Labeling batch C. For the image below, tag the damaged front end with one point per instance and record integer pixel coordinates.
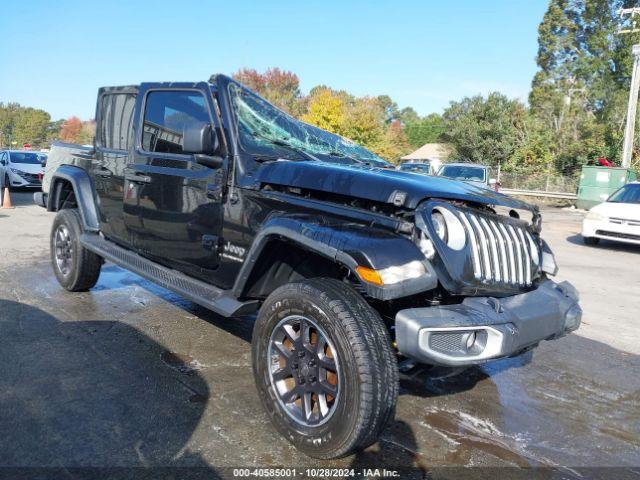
(498, 267)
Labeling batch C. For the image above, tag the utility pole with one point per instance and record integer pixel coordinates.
(633, 91)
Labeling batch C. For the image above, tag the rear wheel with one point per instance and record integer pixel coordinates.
(324, 367)
(76, 268)
(591, 240)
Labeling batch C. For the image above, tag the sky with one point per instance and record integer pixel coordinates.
(55, 55)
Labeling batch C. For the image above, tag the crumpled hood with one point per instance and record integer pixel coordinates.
(373, 183)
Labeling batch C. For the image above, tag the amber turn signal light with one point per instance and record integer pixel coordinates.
(369, 275)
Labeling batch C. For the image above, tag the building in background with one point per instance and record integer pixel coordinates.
(432, 154)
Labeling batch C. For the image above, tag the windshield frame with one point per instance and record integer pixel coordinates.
(371, 160)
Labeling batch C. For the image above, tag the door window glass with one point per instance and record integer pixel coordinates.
(165, 117)
(117, 118)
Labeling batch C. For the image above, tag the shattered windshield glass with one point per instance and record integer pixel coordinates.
(269, 133)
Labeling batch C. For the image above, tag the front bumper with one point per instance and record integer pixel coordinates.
(619, 230)
(485, 328)
(27, 180)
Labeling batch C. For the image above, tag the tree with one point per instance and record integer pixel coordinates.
(423, 130)
(393, 144)
(485, 130)
(326, 110)
(583, 78)
(31, 127)
(280, 87)
(87, 132)
(21, 125)
(70, 130)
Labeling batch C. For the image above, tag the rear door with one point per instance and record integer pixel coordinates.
(173, 204)
(114, 135)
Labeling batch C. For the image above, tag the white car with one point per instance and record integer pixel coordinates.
(616, 219)
(21, 168)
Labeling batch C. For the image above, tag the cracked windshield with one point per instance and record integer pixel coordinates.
(270, 134)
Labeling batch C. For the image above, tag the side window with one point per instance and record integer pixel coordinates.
(116, 122)
(166, 114)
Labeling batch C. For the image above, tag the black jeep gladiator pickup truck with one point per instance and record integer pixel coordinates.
(212, 192)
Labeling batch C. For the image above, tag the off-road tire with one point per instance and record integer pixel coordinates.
(84, 265)
(368, 376)
(591, 240)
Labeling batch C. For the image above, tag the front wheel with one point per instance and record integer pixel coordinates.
(76, 268)
(324, 367)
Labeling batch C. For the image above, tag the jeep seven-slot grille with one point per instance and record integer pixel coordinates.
(501, 252)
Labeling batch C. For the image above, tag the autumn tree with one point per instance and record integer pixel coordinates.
(70, 130)
(280, 87)
(327, 110)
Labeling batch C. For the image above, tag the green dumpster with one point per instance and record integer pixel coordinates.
(597, 183)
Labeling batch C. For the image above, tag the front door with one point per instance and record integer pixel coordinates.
(173, 205)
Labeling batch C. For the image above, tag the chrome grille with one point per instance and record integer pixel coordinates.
(501, 253)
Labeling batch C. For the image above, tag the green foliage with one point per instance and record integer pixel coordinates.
(20, 125)
(485, 130)
(423, 130)
(581, 88)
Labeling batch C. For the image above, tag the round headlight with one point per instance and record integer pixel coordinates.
(440, 225)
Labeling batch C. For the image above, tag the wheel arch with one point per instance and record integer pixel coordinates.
(71, 187)
(335, 248)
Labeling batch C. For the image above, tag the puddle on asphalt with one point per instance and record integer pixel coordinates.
(182, 363)
(466, 434)
(113, 277)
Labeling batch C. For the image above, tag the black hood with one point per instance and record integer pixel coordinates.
(378, 184)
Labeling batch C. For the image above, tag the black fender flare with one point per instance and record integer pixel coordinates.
(345, 243)
(83, 190)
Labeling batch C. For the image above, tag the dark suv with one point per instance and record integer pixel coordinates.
(212, 192)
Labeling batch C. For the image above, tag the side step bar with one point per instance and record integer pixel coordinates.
(220, 301)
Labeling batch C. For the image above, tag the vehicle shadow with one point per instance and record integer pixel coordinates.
(609, 245)
(93, 394)
(427, 382)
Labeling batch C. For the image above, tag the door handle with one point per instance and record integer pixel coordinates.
(137, 178)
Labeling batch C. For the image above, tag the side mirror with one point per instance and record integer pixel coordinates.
(199, 138)
(492, 181)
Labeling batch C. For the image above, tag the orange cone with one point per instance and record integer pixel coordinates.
(6, 201)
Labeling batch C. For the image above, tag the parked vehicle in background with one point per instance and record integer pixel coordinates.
(469, 172)
(21, 168)
(424, 168)
(212, 192)
(617, 219)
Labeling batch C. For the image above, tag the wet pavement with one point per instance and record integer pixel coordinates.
(130, 374)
